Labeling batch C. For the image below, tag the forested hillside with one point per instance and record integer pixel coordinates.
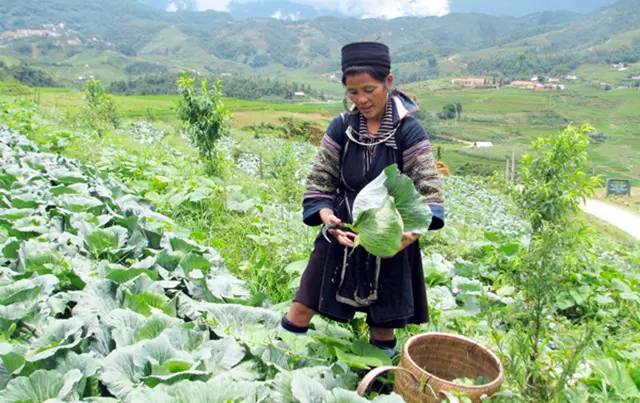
(124, 35)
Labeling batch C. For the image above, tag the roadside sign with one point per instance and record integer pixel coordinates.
(618, 187)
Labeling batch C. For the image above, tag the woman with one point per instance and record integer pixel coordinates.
(376, 132)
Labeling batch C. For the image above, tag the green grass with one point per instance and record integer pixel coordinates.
(617, 41)
(511, 119)
(318, 81)
(164, 105)
(603, 228)
(461, 162)
(596, 73)
(631, 203)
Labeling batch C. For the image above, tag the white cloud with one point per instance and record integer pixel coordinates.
(287, 17)
(399, 8)
(355, 8)
(382, 8)
(218, 5)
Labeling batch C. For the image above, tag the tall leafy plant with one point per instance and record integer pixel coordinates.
(554, 180)
(100, 112)
(204, 116)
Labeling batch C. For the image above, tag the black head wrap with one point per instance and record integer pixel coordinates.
(371, 54)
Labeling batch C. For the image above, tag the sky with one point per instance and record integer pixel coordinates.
(295, 9)
(358, 8)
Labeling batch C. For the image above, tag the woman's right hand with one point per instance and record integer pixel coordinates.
(345, 238)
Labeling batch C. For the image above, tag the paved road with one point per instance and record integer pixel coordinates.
(626, 220)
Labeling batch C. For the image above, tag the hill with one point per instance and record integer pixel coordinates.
(520, 8)
(111, 36)
(300, 11)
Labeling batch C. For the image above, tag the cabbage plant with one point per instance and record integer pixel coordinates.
(384, 209)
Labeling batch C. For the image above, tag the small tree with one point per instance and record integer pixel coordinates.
(448, 112)
(100, 112)
(458, 109)
(203, 115)
(554, 180)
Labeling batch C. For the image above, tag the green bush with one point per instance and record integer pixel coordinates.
(100, 112)
(204, 116)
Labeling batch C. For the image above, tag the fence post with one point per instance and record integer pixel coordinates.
(506, 170)
(513, 166)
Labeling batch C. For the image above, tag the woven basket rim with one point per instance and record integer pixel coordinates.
(418, 337)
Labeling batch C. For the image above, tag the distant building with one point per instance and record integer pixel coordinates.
(553, 86)
(471, 81)
(535, 85)
(24, 33)
(522, 84)
(571, 78)
(553, 80)
(226, 75)
(298, 94)
(636, 78)
(482, 144)
(534, 78)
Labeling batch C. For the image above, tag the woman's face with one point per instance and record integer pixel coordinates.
(369, 94)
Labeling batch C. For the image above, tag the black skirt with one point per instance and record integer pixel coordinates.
(316, 285)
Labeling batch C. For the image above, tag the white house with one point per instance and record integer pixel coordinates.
(571, 78)
(636, 78)
(298, 94)
(482, 144)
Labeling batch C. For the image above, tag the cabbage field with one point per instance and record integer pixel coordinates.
(131, 274)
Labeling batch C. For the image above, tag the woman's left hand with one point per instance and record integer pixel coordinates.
(407, 239)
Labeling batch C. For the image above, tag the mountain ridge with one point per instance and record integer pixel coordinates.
(119, 33)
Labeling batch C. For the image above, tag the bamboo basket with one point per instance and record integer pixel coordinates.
(430, 361)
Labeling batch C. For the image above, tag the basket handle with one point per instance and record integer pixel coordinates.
(442, 395)
(376, 372)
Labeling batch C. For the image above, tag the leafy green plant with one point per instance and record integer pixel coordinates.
(145, 314)
(556, 181)
(66, 258)
(204, 116)
(451, 111)
(100, 111)
(553, 180)
(18, 113)
(384, 209)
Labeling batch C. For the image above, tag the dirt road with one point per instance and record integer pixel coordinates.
(458, 139)
(626, 220)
